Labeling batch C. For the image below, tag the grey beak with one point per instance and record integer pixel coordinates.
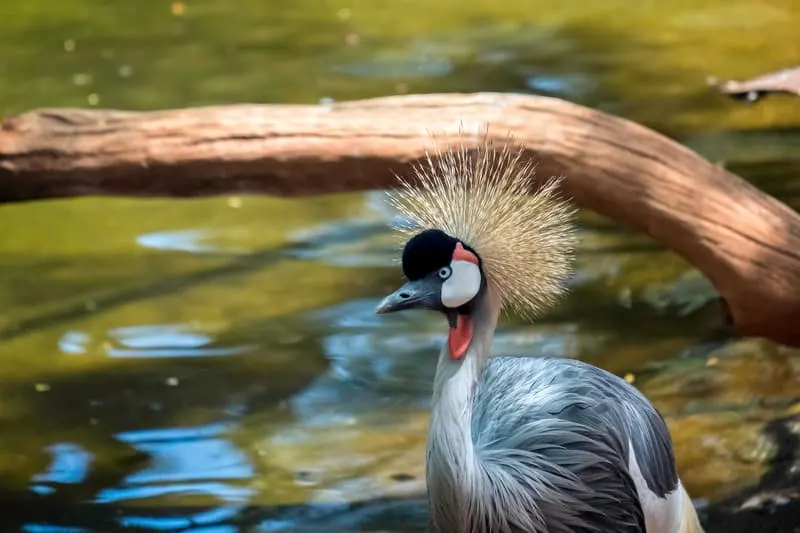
(420, 294)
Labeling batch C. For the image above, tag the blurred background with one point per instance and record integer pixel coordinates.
(215, 365)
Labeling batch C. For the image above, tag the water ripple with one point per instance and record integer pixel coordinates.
(398, 68)
(375, 360)
(152, 341)
(183, 241)
(184, 461)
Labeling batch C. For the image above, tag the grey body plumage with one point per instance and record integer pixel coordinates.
(583, 395)
(517, 444)
(540, 445)
(564, 432)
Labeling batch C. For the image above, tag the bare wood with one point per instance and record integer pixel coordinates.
(746, 242)
(785, 81)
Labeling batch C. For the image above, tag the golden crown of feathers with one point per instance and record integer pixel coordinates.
(483, 196)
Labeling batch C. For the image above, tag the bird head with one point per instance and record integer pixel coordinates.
(443, 275)
(478, 222)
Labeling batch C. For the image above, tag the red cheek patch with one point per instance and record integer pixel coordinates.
(462, 254)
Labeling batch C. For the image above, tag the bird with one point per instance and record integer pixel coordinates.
(520, 444)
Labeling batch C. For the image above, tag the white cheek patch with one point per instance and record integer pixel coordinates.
(462, 285)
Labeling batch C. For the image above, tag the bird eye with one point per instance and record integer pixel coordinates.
(444, 272)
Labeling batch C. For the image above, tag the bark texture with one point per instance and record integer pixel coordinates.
(746, 242)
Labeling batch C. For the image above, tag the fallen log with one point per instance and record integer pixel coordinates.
(746, 242)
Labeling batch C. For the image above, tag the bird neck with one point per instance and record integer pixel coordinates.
(453, 465)
(456, 376)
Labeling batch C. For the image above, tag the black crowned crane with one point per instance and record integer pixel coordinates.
(521, 444)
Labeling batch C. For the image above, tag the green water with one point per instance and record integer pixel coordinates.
(219, 360)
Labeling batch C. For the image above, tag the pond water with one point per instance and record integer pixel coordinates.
(215, 364)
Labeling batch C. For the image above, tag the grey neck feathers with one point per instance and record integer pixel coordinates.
(453, 467)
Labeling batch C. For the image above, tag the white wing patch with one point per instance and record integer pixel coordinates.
(462, 285)
(661, 515)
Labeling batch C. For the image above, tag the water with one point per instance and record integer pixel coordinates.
(215, 365)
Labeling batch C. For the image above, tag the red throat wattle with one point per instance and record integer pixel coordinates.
(459, 338)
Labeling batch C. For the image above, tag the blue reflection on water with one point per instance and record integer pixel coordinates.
(213, 529)
(49, 528)
(224, 491)
(184, 461)
(69, 465)
(210, 519)
(551, 84)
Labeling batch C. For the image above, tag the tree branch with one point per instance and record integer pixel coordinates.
(786, 81)
(746, 242)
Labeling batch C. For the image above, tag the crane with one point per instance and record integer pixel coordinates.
(520, 444)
